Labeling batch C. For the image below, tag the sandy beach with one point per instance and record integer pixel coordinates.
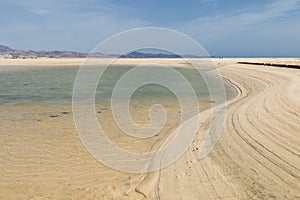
(257, 156)
(64, 62)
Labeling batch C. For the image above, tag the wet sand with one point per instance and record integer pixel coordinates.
(64, 62)
(257, 157)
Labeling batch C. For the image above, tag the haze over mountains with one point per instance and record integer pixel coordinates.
(7, 52)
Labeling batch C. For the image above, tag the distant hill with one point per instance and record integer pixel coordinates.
(9, 52)
(4, 49)
(136, 54)
(51, 54)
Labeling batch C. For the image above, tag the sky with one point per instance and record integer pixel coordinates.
(223, 28)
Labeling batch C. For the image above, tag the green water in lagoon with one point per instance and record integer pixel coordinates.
(55, 85)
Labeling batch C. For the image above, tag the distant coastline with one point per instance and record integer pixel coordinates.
(8, 52)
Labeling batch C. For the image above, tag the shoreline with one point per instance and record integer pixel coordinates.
(256, 157)
(250, 152)
(50, 62)
(271, 64)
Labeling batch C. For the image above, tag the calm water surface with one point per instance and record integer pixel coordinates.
(55, 85)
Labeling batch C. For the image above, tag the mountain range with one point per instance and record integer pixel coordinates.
(9, 52)
(6, 51)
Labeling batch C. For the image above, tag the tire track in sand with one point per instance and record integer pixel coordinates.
(257, 156)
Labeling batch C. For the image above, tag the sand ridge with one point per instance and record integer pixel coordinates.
(258, 155)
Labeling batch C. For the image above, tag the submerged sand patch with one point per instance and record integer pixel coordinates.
(257, 157)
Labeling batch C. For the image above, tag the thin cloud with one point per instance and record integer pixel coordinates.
(278, 8)
(80, 25)
(269, 31)
(70, 27)
(41, 12)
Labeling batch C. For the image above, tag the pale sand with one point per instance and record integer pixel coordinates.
(257, 157)
(42, 62)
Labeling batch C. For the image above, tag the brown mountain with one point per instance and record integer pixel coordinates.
(5, 50)
(9, 52)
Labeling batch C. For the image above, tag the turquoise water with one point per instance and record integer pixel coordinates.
(55, 85)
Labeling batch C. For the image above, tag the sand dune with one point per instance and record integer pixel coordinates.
(257, 157)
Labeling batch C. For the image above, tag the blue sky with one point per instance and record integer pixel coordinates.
(223, 28)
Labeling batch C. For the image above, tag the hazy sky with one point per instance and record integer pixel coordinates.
(223, 28)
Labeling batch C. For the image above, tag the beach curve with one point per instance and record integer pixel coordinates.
(257, 157)
(258, 153)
